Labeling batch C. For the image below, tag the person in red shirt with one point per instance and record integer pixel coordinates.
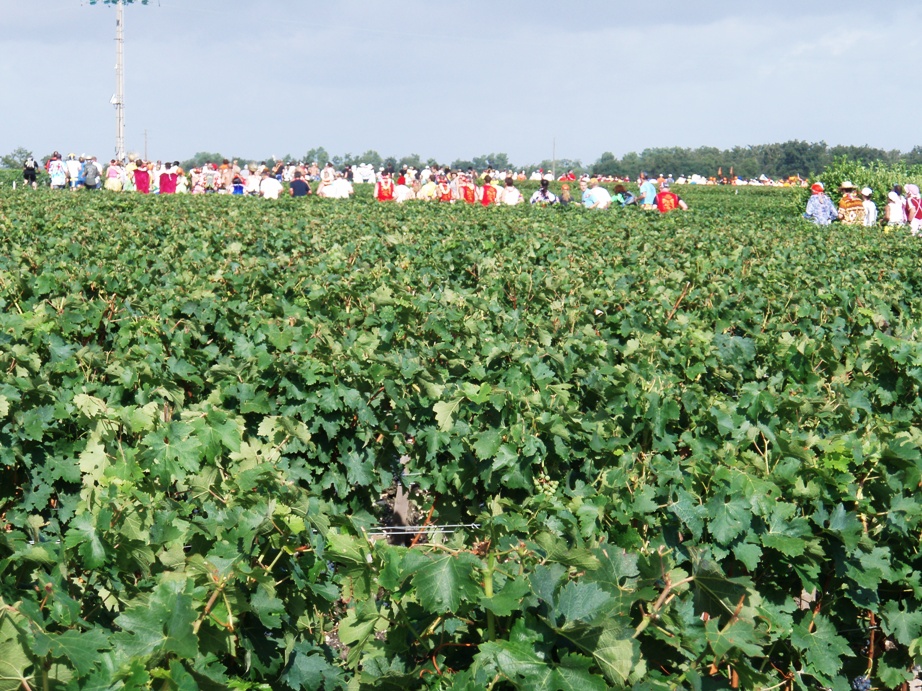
(168, 178)
(443, 190)
(667, 200)
(466, 189)
(384, 188)
(142, 177)
(489, 192)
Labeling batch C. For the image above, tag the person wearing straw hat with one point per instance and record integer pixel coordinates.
(851, 208)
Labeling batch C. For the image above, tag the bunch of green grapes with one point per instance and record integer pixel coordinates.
(544, 484)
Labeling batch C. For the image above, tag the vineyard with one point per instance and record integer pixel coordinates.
(633, 451)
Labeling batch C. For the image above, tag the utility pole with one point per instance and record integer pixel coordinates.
(554, 158)
(119, 99)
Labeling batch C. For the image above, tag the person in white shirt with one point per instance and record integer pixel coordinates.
(340, 188)
(73, 170)
(269, 187)
(403, 193)
(895, 211)
(870, 208)
(326, 177)
(599, 197)
(58, 172)
(511, 195)
(252, 183)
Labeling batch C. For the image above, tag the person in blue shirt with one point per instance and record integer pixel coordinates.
(648, 193)
(586, 195)
(299, 187)
(820, 208)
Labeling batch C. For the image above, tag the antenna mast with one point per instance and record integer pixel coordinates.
(119, 100)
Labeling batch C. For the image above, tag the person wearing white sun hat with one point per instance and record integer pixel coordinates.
(870, 208)
(895, 211)
(914, 209)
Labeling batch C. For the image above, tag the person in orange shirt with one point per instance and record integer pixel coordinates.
(384, 188)
(667, 200)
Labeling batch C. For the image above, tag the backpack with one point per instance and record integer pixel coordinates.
(29, 164)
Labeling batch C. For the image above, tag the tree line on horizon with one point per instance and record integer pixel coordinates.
(773, 160)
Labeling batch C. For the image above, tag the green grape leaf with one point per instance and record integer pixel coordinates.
(508, 599)
(445, 580)
(444, 413)
(82, 533)
(162, 623)
(905, 625)
(737, 635)
(580, 602)
(574, 674)
(822, 647)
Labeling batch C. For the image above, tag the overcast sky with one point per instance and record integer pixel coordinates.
(257, 78)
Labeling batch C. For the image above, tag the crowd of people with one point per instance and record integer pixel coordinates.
(857, 208)
(432, 184)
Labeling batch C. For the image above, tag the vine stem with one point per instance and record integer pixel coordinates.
(422, 528)
(214, 597)
(678, 302)
(488, 592)
(659, 603)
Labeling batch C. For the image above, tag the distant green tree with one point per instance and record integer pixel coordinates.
(606, 165)
(15, 158)
(631, 165)
(860, 153)
(913, 157)
(200, 159)
(319, 155)
(777, 160)
(411, 161)
(498, 161)
(373, 157)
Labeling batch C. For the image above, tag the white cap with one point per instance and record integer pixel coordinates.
(867, 191)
